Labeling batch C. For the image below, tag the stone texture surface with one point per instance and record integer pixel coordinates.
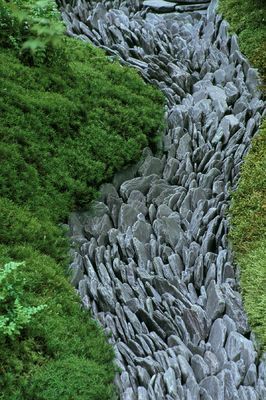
(153, 264)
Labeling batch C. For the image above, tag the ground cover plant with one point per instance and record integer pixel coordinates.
(69, 118)
(248, 233)
(248, 209)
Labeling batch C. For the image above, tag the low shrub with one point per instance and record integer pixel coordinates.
(69, 119)
(60, 332)
(85, 378)
(19, 226)
(61, 137)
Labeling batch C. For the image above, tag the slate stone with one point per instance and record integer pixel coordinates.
(127, 216)
(196, 322)
(213, 387)
(151, 165)
(142, 231)
(77, 270)
(184, 146)
(170, 381)
(142, 393)
(217, 334)
(185, 368)
(141, 183)
(200, 368)
(128, 394)
(99, 227)
(106, 298)
(238, 347)
(149, 364)
(226, 380)
(142, 255)
(232, 93)
(251, 376)
(215, 301)
(234, 309)
(219, 76)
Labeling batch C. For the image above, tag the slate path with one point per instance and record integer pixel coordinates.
(154, 265)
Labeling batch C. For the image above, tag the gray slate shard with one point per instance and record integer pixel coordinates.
(213, 387)
(200, 367)
(77, 270)
(151, 165)
(141, 183)
(215, 301)
(238, 347)
(217, 335)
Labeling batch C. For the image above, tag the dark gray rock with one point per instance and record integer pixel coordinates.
(215, 301)
(185, 368)
(142, 393)
(234, 309)
(238, 347)
(142, 231)
(170, 381)
(141, 183)
(213, 387)
(200, 368)
(77, 270)
(217, 335)
(196, 322)
(151, 165)
(127, 216)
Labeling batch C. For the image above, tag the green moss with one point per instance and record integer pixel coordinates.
(85, 378)
(248, 233)
(248, 208)
(69, 118)
(20, 226)
(62, 331)
(253, 283)
(62, 136)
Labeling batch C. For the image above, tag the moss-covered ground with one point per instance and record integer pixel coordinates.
(69, 118)
(248, 210)
(248, 233)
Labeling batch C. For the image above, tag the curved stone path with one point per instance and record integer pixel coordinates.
(154, 265)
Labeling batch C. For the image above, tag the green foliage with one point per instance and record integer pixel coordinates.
(253, 283)
(61, 332)
(65, 129)
(72, 375)
(248, 232)
(20, 226)
(248, 208)
(69, 119)
(247, 20)
(13, 315)
(9, 29)
(34, 29)
(62, 136)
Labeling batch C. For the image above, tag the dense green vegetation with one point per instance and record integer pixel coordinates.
(247, 19)
(248, 209)
(69, 118)
(248, 233)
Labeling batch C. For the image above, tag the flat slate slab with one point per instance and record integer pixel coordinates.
(191, 7)
(160, 5)
(186, 2)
